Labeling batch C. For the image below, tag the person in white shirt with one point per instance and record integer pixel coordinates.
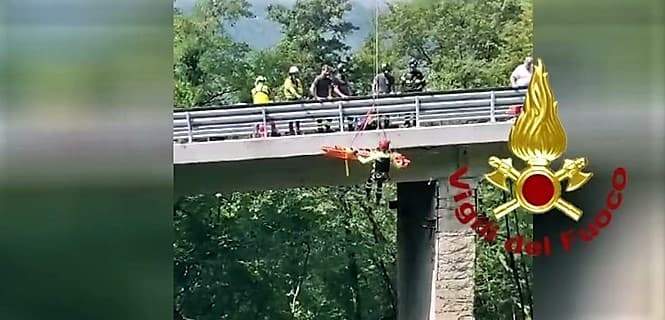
(522, 74)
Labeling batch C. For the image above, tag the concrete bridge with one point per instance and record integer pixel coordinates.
(214, 152)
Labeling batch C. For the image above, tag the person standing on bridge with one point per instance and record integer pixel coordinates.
(341, 84)
(293, 91)
(342, 89)
(521, 77)
(322, 88)
(384, 83)
(261, 91)
(381, 161)
(413, 80)
(261, 95)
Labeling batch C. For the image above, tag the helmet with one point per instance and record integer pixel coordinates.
(293, 70)
(384, 144)
(413, 62)
(260, 79)
(385, 67)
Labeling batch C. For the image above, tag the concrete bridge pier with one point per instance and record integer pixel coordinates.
(416, 237)
(435, 255)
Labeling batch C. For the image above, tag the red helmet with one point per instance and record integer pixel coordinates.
(384, 144)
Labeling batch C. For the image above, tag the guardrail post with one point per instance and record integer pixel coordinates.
(492, 107)
(265, 122)
(189, 127)
(417, 111)
(341, 117)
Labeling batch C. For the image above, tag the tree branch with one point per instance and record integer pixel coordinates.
(215, 96)
(354, 271)
(387, 280)
(301, 279)
(423, 52)
(378, 239)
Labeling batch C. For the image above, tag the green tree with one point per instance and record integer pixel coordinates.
(463, 44)
(503, 281)
(305, 253)
(209, 67)
(313, 34)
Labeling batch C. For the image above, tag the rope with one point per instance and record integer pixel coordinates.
(368, 116)
(525, 271)
(376, 66)
(376, 60)
(513, 264)
(376, 37)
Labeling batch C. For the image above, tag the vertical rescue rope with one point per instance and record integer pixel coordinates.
(368, 117)
(376, 61)
(376, 37)
(512, 263)
(525, 272)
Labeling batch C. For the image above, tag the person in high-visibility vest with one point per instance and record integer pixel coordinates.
(293, 88)
(261, 91)
(293, 91)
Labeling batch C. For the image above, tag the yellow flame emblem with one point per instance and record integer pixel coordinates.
(538, 138)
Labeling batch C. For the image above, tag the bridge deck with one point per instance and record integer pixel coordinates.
(235, 161)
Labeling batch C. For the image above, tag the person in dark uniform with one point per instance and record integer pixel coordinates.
(381, 161)
(321, 89)
(341, 84)
(412, 81)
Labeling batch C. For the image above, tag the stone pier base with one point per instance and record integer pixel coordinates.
(435, 265)
(454, 266)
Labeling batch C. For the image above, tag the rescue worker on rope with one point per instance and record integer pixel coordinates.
(293, 91)
(381, 161)
(412, 81)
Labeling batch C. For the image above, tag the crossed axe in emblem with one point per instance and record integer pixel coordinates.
(571, 170)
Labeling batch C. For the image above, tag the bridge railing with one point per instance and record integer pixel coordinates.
(417, 110)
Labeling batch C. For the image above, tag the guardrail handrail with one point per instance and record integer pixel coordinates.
(240, 121)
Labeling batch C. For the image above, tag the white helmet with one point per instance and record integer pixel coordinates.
(293, 70)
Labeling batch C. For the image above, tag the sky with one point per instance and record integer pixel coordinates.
(261, 33)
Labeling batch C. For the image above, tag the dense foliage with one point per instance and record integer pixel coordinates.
(325, 253)
(305, 253)
(461, 44)
(503, 281)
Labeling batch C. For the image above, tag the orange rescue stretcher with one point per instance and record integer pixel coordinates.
(347, 153)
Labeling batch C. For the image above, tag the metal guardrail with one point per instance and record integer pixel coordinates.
(417, 110)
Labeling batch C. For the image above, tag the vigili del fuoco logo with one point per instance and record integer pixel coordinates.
(538, 138)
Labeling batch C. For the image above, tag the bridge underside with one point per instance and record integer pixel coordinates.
(427, 164)
(227, 166)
